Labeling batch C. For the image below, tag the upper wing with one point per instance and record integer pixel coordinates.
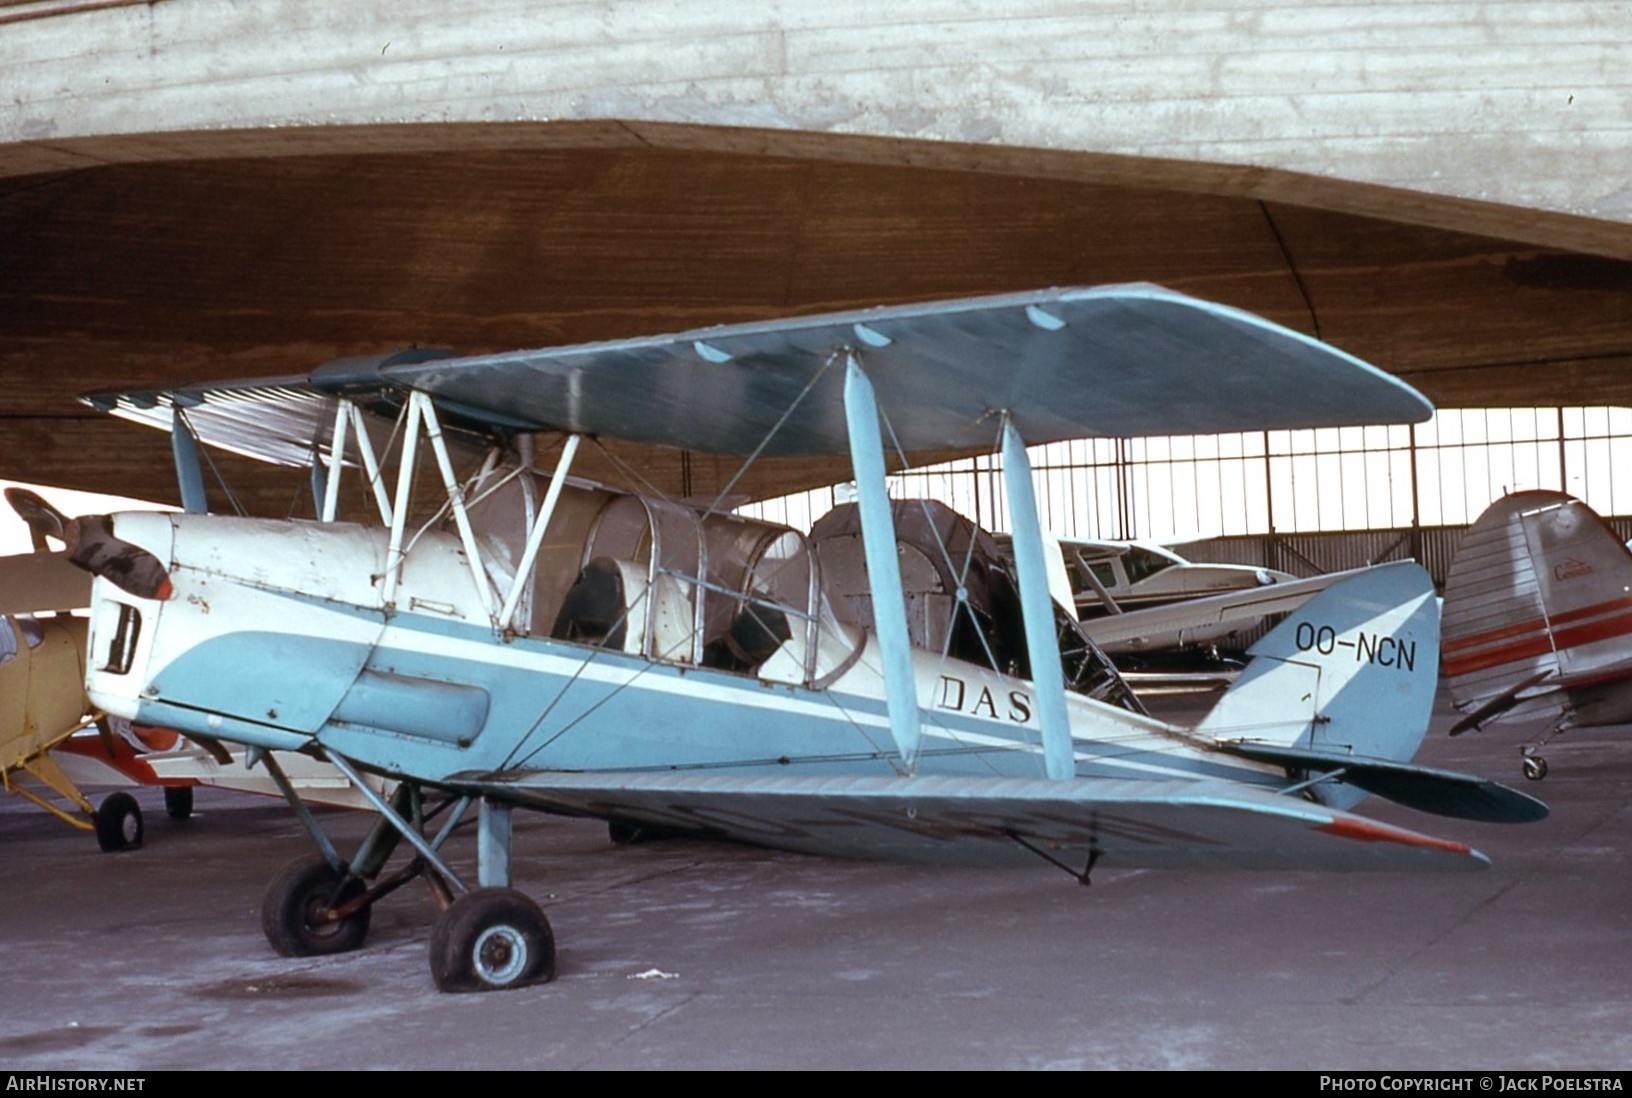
(280, 420)
(1109, 361)
(989, 821)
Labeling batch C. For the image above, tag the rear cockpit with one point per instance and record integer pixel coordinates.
(961, 594)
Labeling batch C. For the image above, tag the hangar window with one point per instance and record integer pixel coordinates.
(1440, 473)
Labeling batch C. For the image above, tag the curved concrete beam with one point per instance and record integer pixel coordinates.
(1505, 118)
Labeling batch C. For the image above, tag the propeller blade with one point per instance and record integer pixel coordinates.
(42, 518)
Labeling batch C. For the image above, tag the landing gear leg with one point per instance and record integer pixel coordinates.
(178, 801)
(487, 939)
(321, 904)
(1535, 767)
(495, 937)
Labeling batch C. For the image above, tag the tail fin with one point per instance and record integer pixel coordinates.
(1537, 596)
(1352, 671)
(1339, 694)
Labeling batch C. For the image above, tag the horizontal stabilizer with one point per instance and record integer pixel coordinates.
(954, 820)
(1441, 792)
(1498, 705)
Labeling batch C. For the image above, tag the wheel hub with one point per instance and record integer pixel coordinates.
(500, 954)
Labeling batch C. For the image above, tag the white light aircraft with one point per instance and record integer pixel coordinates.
(887, 688)
(1538, 620)
(1139, 598)
(1118, 577)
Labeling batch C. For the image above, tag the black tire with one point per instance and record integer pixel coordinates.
(1535, 767)
(628, 833)
(492, 939)
(178, 801)
(118, 823)
(292, 914)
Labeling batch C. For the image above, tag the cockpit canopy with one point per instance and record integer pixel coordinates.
(659, 579)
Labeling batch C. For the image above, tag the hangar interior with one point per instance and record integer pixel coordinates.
(215, 255)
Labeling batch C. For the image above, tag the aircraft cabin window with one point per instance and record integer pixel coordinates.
(1102, 571)
(1142, 563)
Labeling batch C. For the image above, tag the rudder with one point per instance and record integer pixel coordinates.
(1353, 671)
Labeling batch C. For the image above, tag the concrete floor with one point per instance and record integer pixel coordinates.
(688, 955)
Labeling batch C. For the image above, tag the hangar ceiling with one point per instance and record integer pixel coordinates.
(148, 273)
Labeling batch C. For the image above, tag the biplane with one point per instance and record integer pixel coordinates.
(42, 708)
(49, 731)
(888, 686)
(1538, 618)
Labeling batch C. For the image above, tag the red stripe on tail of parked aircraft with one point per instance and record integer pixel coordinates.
(1474, 640)
(1533, 643)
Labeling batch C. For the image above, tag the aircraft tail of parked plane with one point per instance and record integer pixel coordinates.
(1538, 617)
(1341, 693)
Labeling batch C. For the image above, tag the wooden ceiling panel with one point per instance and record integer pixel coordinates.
(145, 274)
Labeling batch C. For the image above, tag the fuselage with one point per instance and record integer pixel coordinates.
(277, 635)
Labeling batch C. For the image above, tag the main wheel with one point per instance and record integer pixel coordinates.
(491, 939)
(1535, 767)
(178, 801)
(118, 823)
(628, 833)
(296, 913)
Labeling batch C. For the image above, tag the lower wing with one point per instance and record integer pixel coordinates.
(990, 821)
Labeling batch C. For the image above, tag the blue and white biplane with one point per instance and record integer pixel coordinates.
(888, 686)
